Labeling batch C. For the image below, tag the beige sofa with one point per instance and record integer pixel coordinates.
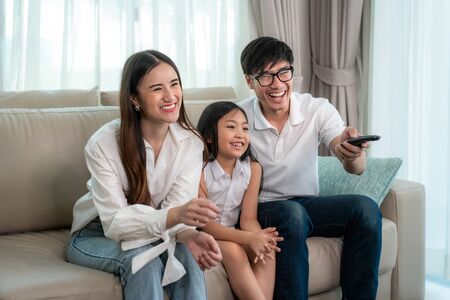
(43, 172)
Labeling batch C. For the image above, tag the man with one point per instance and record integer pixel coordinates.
(286, 129)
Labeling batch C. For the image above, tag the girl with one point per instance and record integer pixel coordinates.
(231, 180)
(144, 168)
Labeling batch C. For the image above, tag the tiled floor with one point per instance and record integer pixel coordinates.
(435, 291)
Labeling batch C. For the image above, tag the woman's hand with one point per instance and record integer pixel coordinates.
(196, 212)
(204, 249)
(264, 243)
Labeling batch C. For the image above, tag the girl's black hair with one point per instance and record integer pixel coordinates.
(207, 126)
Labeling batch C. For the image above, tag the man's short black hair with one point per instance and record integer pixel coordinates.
(264, 51)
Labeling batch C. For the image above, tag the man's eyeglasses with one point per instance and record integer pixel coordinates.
(283, 75)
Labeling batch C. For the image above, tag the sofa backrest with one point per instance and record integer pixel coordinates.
(195, 99)
(111, 98)
(47, 99)
(42, 166)
(195, 108)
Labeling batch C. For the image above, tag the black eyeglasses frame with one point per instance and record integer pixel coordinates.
(291, 68)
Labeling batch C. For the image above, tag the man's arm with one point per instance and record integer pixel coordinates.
(353, 158)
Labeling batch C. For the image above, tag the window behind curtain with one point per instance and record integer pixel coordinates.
(53, 44)
(410, 107)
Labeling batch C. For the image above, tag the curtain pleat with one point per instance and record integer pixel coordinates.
(335, 31)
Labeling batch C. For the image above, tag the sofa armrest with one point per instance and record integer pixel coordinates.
(405, 206)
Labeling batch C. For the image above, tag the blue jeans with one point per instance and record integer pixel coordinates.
(355, 218)
(90, 248)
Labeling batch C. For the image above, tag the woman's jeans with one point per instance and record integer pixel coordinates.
(355, 218)
(90, 248)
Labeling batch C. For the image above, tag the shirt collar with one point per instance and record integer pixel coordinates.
(259, 120)
(295, 114)
(218, 172)
(176, 133)
(238, 168)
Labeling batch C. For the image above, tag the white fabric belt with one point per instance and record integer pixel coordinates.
(174, 270)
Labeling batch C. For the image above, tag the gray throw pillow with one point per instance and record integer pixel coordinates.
(375, 182)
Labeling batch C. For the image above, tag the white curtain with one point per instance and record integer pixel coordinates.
(53, 44)
(410, 107)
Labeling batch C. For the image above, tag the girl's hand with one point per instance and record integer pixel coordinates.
(264, 244)
(197, 212)
(275, 238)
(204, 249)
(260, 244)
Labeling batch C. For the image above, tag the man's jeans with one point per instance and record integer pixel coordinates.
(90, 248)
(355, 218)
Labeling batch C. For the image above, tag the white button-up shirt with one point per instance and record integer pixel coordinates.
(225, 191)
(289, 158)
(172, 180)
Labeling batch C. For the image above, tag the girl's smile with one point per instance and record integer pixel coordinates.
(233, 136)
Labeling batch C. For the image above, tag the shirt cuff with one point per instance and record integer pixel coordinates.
(156, 222)
(179, 228)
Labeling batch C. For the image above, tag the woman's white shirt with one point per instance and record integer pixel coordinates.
(227, 191)
(172, 180)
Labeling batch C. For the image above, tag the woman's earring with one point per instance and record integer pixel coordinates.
(137, 108)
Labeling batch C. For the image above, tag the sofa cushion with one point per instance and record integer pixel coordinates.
(49, 99)
(30, 255)
(325, 258)
(194, 109)
(39, 270)
(109, 98)
(324, 264)
(210, 93)
(374, 182)
(42, 164)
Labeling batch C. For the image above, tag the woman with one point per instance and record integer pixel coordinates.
(145, 169)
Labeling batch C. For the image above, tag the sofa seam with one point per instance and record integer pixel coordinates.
(59, 110)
